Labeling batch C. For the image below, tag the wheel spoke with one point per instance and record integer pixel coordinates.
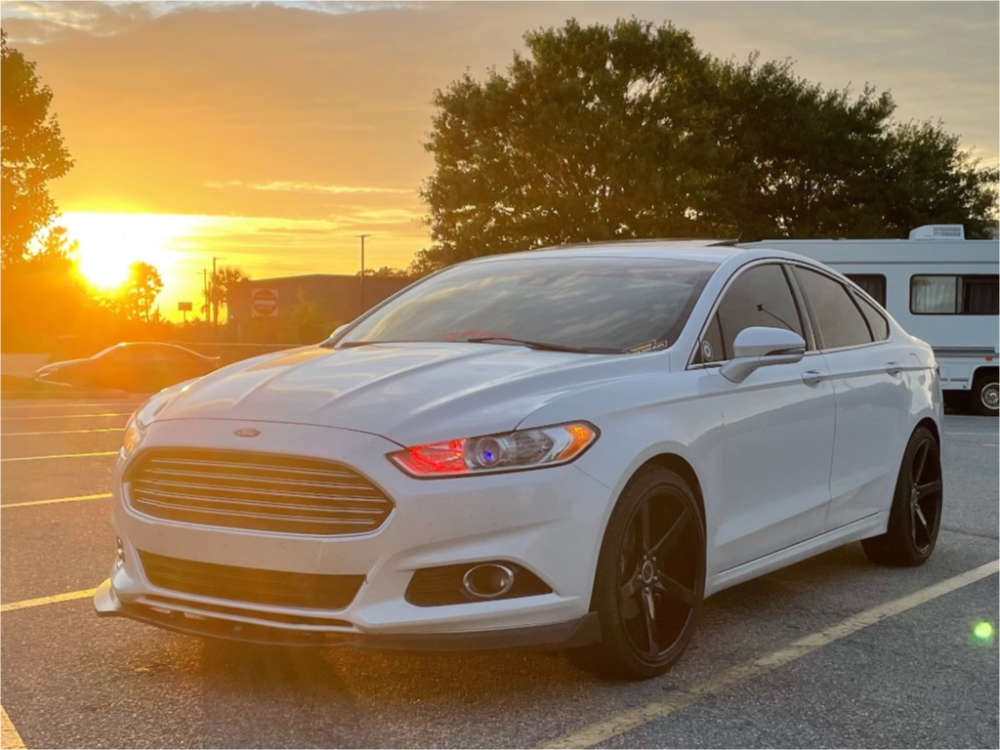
(930, 488)
(920, 515)
(674, 589)
(649, 615)
(645, 525)
(630, 588)
(673, 533)
(920, 460)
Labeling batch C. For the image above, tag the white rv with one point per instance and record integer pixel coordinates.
(939, 286)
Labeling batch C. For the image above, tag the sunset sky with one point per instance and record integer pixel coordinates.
(272, 134)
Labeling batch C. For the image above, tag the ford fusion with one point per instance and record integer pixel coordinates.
(566, 448)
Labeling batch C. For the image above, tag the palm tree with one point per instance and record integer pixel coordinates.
(223, 281)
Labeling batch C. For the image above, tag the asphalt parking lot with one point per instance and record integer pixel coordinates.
(831, 652)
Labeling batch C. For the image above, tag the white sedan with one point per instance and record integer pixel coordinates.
(571, 447)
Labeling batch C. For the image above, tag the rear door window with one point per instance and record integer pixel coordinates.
(838, 318)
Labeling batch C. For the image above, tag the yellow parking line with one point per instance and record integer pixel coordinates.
(15, 418)
(601, 731)
(68, 596)
(73, 499)
(59, 455)
(67, 432)
(9, 738)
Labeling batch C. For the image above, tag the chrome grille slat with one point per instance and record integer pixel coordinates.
(142, 493)
(253, 467)
(253, 491)
(248, 514)
(259, 491)
(256, 479)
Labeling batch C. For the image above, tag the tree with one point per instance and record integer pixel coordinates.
(140, 291)
(222, 284)
(630, 131)
(385, 272)
(33, 153)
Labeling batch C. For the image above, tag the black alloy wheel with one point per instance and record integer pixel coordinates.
(915, 517)
(651, 577)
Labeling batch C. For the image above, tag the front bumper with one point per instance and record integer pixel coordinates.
(548, 521)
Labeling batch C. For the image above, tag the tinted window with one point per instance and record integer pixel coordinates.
(839, 320)
(617, 303)
(759, 296)
(710, 349)
(954, 295)
(873, 283)
(876, 321)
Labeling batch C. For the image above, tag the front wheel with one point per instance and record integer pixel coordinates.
(916, 507)
(650, 578)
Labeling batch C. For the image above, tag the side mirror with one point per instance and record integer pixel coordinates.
(759, 346)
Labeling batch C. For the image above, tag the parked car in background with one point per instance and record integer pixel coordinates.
(941, 287)
(141, 366)
(568, 447)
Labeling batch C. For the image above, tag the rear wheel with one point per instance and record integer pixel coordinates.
(650, 578)
(916, 508)
(986, 394)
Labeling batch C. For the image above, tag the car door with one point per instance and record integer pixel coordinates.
(868, 374)
(779, 426)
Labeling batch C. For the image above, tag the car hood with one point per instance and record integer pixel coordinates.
(410, 393)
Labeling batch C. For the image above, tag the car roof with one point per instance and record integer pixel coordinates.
(716, 252)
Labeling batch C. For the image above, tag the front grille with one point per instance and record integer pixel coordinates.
(256, 491)
(251, 584)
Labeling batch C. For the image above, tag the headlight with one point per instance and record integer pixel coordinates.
(510, 451)
(135, 429)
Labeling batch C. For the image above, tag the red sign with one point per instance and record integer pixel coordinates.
(264, 303)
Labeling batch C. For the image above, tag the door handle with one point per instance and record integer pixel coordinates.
(893, 368)
(812, 377)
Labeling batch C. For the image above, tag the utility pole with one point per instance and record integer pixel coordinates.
(362, 236)
(204, 291)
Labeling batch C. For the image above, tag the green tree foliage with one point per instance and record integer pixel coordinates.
(32, 154)
(221, 284)
(137, 295)
(44, 297)
(630, 131)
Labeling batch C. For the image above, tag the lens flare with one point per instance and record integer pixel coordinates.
(983, 631)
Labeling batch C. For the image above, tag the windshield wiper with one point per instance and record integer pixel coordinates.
(542, 345)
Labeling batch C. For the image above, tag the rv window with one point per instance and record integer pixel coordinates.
(953, 295)
(873, 283)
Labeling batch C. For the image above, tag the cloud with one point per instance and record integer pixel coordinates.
(287, 186)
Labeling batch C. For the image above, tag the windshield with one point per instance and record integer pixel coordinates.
(600, 304)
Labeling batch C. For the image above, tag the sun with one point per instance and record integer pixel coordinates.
(110, 242)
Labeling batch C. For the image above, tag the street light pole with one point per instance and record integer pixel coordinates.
(362, 236)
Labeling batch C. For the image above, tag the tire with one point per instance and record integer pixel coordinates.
(986, 394)
(915, 517)
(650, 579)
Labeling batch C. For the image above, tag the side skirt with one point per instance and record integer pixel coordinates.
(863, 528)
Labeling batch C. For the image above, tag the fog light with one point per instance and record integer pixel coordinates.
(488, 581)
(119, 554)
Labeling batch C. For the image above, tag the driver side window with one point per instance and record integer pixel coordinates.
(760, 296)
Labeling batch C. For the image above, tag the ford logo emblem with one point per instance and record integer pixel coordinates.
(246, 432)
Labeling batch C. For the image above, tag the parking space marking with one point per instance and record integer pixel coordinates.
(601, 731)
(15, 418)
(67, 432)
(27, 603)
(9, 738)
(59, 455)
(75, 498)
(64, 404)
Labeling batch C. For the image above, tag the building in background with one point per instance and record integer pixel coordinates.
(301, 309)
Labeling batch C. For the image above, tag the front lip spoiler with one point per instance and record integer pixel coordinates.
(580, 632)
